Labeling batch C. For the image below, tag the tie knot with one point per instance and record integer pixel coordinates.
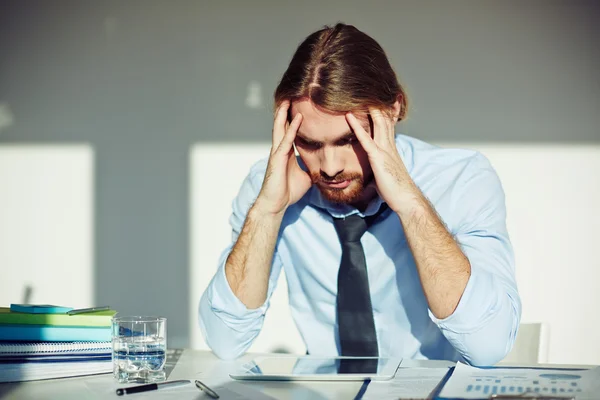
(351, 228)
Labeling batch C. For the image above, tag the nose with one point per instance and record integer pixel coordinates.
(331, 163)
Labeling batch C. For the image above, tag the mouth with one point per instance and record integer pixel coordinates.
(338, 184)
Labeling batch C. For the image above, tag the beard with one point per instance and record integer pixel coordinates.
(348, 195)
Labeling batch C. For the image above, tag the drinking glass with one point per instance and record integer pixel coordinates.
(139, 348)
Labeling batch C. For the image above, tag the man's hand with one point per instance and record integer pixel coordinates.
(392, 180)
(285, 182)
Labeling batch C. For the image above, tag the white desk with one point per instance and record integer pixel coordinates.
(193, 364)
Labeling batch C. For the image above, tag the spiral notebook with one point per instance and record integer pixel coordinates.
(53, 348)
(26, 361)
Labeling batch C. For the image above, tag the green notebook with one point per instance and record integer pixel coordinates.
(95, 318)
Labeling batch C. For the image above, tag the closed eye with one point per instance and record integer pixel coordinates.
(349, 140)
(308, 145)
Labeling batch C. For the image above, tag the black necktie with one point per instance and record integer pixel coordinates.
(354, 310)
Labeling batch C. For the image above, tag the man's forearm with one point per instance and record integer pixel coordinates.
(443, 268)
(249, 264)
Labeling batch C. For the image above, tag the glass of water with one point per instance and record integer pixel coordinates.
(139, 348)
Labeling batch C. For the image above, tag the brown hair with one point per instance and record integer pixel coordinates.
(341, 69)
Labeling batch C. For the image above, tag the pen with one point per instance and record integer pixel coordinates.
(151, 386)
(206, 389)
(85, 310)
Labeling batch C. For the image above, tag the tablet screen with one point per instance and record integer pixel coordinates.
(308, 365)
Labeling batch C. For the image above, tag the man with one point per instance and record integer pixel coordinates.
(390, 246)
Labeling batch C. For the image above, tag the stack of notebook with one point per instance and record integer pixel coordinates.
(46, 342)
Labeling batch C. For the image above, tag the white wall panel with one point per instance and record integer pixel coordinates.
(46, 224)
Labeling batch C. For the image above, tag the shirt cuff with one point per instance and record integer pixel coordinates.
(223, 301)
(477, 304)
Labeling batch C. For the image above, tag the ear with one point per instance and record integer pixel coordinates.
(396, 108)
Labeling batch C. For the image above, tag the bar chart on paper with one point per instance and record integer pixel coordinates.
(546, 384)
(470, 382)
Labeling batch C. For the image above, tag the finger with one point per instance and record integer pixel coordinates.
(363, 137)
(391, 122)
(279, 123)
(290, 135)
(392, 131)
(380, 125)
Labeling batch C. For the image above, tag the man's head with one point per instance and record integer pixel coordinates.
(334, 71)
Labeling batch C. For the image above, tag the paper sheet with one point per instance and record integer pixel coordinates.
(407, 383)
(475, 383)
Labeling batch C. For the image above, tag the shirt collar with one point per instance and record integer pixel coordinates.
(316, 199)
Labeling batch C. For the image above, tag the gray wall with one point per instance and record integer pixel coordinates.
(143, 80)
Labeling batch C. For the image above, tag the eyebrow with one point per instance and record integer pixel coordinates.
(345, 136)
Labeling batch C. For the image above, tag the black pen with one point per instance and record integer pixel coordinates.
(206, 389)
(151, 386)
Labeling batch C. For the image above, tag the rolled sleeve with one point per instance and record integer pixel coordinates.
(224, 301)
(485, 322)
(476, 305)
(228, 326)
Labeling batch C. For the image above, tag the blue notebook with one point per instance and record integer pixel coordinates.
(47, 333)
(39, 309)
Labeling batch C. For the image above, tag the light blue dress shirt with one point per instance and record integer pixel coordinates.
(467, 195)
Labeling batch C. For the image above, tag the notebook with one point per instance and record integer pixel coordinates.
(32, 333)
(31, 371)
(95, 318)
(45, 348)
(41, 360)
(39, 308)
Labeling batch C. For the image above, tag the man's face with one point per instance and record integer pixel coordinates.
(336, 161)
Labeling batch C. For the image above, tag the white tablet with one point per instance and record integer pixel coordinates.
(285, 368)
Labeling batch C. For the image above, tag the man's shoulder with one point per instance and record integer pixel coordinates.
(459, 182)
(432, 159)
(445, 174)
